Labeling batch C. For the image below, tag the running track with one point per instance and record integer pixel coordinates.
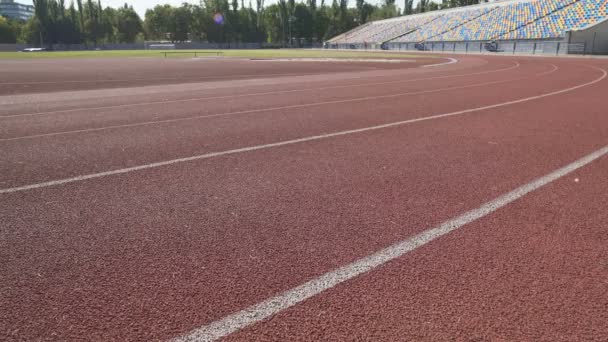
(464, 201)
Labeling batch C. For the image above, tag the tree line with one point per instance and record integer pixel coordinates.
(218, 21)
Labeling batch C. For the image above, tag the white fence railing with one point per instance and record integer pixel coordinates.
(501, 47)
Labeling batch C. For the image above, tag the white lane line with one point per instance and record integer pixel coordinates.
(270, 109)
(515, 66)
(141, 79)
(290, 142)
(96, 94)
(553, 69)
(451, 61)
(259, 312)
(252, 111)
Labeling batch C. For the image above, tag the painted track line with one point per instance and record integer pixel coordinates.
(291, 142)
(253, 111)
(451, 61)
(141, 79)
(270, 109)
(515, 66)
(259, 312)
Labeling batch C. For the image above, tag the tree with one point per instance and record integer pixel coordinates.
(283, 17)
(273, 23)
(93, 26)
(387, 10)
(180, 23)
(362, 13)
(198, 23)
(321, 22)
(302, 24)
(75, 33)
(41, 11)
(408, 7)
(422, 6)
(157, 22)
(128, 24)
(8, 33)
(52, 24)
(212, 21)
(109, 23)
(81, 17)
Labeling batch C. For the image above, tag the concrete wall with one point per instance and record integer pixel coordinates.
(594, 38)
(521, 47)
(12, 47)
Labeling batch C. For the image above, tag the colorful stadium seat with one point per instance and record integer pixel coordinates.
(576, 16)
(500, 20)
(506, 17)
(383, 30)
(448, 21)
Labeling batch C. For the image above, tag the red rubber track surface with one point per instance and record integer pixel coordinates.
(533, 272)
(58, 75)
(153, 254)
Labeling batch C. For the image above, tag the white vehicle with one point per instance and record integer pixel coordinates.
(33, 49)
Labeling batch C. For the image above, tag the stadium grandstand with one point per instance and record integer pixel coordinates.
(570, 22)
(383, 30)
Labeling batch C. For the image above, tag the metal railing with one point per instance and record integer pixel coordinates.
(195, 53)
(500, 47)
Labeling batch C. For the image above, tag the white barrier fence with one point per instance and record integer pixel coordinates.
(159, 46)
(502, 47)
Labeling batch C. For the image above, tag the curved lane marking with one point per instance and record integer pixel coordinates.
(451, 61)
(261, 311)
(515, 66)
(270, 109)
(138, 79)
(293, 141)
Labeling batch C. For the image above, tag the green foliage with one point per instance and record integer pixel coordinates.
(302, 22)
(387, 10)
(422, 6)
(128, 24)
(8, 31)
(408, 7)
(87, 22)
(250, 53)
(53, 23)
(157, 22)
(458, 3)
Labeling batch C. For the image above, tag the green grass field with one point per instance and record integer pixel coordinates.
(263, 53)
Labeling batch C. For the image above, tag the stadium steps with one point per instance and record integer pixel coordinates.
(400, 35)
(348, 33)
(535, 20)
(412, 30)
(384, 40)
(501, 22)
(459, 25)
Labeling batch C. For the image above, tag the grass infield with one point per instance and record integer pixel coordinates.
(262, 53)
